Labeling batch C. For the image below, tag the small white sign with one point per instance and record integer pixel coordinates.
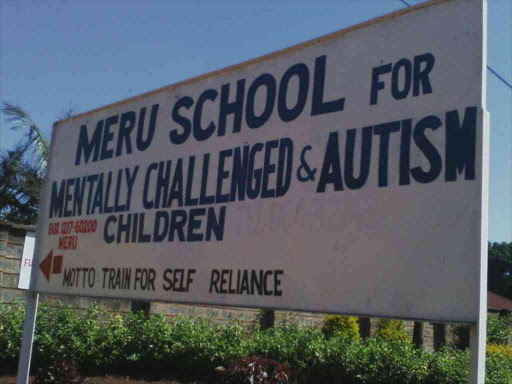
(26, 260)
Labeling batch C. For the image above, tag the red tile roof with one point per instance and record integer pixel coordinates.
(497, 303)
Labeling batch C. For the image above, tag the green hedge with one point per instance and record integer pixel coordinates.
(498, 331)
(103, 342)
(341, 326)
(390, 329)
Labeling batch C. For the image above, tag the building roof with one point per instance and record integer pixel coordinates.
(498, 303)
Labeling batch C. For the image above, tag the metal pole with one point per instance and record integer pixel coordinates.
(28, 337)
(478, 330)
(477, 352)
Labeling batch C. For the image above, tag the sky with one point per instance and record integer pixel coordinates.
(57, 54)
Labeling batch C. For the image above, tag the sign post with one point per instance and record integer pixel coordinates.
(27, 341)
(353, 165)
(478, 330)
(30, 248)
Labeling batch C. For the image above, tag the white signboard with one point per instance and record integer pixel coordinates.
(26, 261)
(346, 174)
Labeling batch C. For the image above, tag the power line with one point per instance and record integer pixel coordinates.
(499, 77)
(488, 67)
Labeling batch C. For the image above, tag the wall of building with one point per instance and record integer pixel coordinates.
(12, 238)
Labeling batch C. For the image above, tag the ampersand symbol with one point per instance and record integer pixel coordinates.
(310, 173)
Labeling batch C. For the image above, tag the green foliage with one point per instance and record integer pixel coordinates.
(450, 366)
(146, 340)
(55, 333)
(199, 345)
(376, 361)
(298, 347)
(35, 139)
(500, 251)
(500, 349)
(499, 366)
(11, 329)
(20, 182)
(132, 340)
(114, 336)
(105, 342)
(86, 337)
(389, 329)
(22, 170)
(344, 326)
(381, 361)
(395, 360)
(21, 174)
(498, 330)
(461, 336)
(500, 269)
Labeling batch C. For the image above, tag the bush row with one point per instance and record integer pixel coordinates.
(103, 342)
(498, 331)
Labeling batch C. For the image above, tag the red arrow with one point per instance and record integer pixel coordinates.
(46, 265)
(48, 262)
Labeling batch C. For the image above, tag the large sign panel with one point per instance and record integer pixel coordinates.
(346, 174)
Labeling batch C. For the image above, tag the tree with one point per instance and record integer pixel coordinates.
(499, 278)
(35, 139)
(22, 170)
(500, 251)
(20, 183)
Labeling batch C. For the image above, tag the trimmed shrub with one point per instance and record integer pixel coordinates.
(86, 338)
(55, 333)
(389, 329)
(450, 366)
(95, 341)
(194, 344)
(498, 349)
(337, 325)
(299, 347)
(375, 361)
(499, 364)
(11, 330)
(112, 341)
(148, 339)
(393, 360)
(498, 330)
(460, 336)
(341, 362)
